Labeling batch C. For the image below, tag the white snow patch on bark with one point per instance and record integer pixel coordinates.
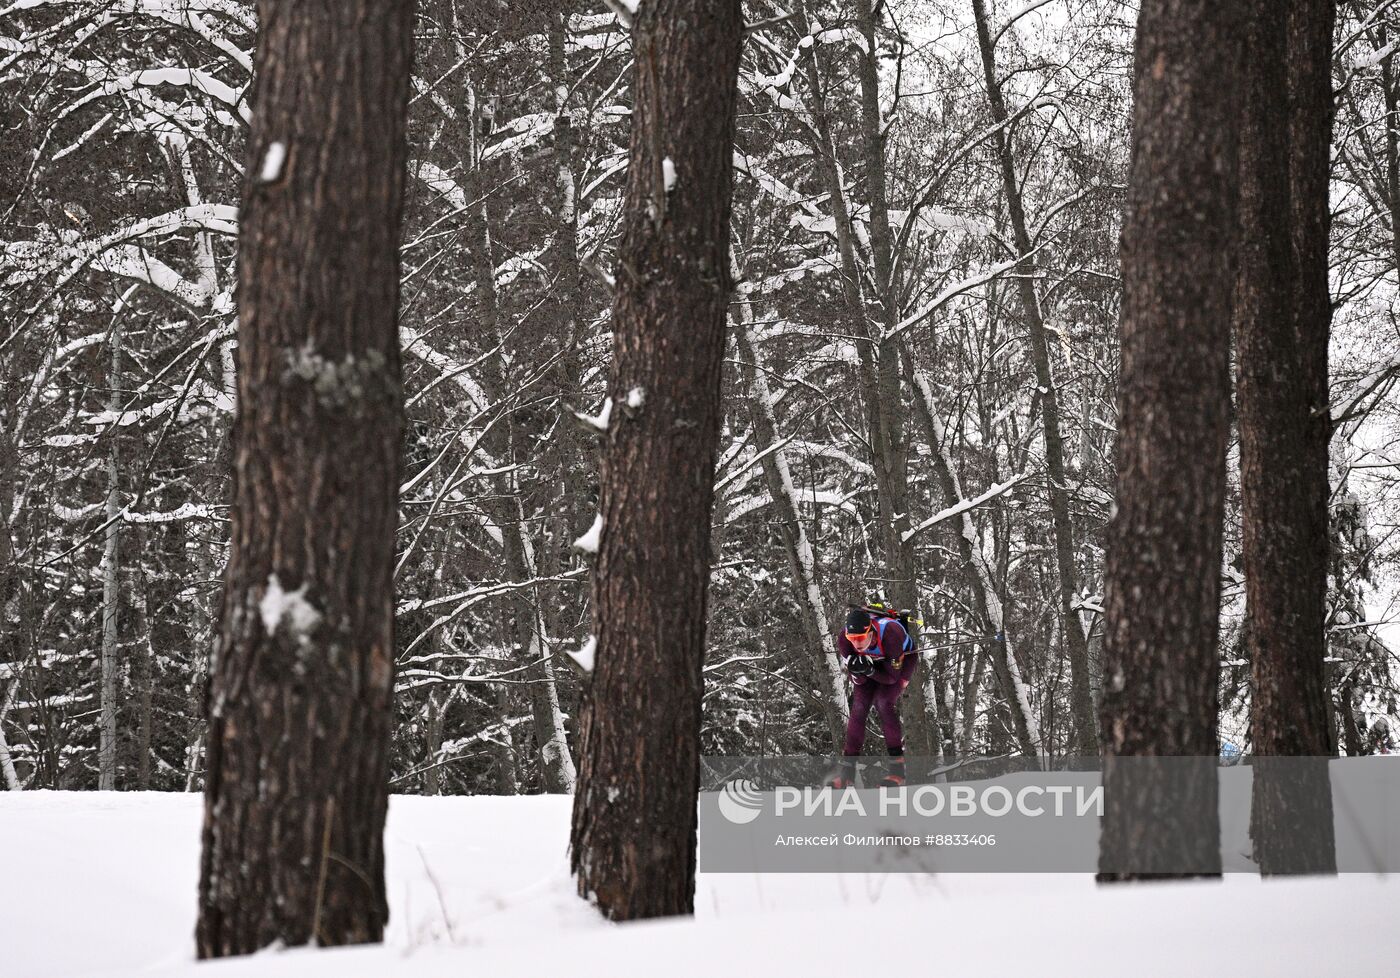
(584, 656)
(636, 397)
(590, 540)
(668, 173)
(272, 162)
(279, 605)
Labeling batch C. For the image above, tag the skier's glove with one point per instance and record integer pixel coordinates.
(859, 665)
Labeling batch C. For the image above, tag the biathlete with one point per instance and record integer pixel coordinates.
(879, 656)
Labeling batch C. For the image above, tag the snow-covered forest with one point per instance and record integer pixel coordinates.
(568, 399)
(976, 485)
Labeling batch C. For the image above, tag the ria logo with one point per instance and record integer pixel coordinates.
(740, 801)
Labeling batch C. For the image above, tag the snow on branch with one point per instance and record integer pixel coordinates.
(440, 181)
(965, 505)
(200, 401)
(413, 344)
(112, 253)
(187, 511)
(1372, 58)
(1026, 8)
(626, 10)
(952, 292)
(598, 422)
(464, 600)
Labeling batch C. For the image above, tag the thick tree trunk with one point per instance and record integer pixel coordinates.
(633, 841)
(1084, 742)
(1161, 662)
(300, 697)
(1282, 321)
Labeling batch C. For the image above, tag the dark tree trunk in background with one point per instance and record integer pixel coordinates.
(986, 604)
(891, 449)
(300, 695)
(633, 841)
(866, 317)
(143, 668)
(1084, 742)
(816, 662)
(526, 641)
(1161, 664)
(111, 578)
(1282, 321)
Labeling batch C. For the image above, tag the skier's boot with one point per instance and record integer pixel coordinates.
(894, 772)
(844, 776)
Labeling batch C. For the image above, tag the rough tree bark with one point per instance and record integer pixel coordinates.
(634, 820)
(301, 686)
(1282, 321)
(1084, 742)
(1161, 663)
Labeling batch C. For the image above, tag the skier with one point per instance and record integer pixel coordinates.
(879, 656)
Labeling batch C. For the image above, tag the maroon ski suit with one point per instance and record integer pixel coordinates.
(894, 668)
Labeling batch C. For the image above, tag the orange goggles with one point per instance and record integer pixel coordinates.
(857, 636)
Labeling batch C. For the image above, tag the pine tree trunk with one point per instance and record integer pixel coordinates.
(1161, 662)
(1084, 742)
(1282, 321)
(300, 696)
(633, 841)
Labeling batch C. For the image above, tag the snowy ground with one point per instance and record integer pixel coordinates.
(103, 884)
